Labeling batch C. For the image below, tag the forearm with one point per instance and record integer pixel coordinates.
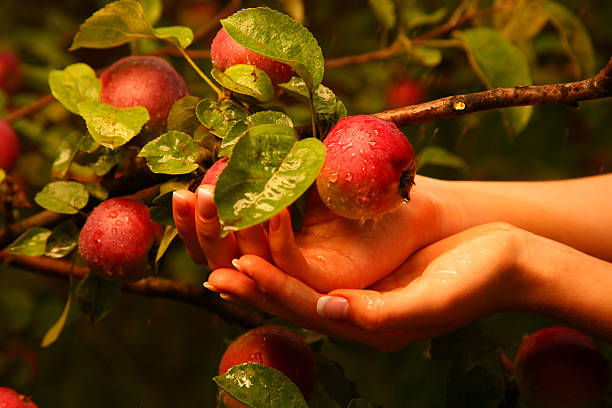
(566, 284)
(577, 212)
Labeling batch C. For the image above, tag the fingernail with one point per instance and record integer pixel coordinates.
(179, 203)
(274, 222)
(227, 297)
(334, 307)
(236, 264)
(210, 287)
(205, 206)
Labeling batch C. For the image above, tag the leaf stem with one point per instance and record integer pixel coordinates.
(199, 72)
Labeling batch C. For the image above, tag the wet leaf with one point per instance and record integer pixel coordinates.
(279, 37)
(65, 197)
(33, 242)
(220, 117)
(110, 126)
(260, 386)
(76, 83)
(53, 333)
(178, 35)
(171, 153)
(268, 171)
(182, 116)
(247, 80)
(63, 240)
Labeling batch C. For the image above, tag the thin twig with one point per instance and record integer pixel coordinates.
(33, 107)
(566, 94)
(397, 48)
(150, 287)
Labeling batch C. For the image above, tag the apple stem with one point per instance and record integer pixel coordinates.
(200, 73)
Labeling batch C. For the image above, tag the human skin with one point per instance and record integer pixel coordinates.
(437, 209)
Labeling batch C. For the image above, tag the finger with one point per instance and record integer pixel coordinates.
(232, 282)
(285, 253)
(218, 251)
(417, 306)
(183, 210)
(253, 240)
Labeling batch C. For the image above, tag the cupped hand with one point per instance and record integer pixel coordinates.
(438, 289)
(329, 252)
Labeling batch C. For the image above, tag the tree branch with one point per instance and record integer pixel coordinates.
(396, 48)
(567, 94)
(150, 287)
(33, 107)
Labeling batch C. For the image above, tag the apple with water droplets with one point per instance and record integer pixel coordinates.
(10, 398)
(369, 168)
(116, 239)
(143, 81)
(226, 52)
(272, 346)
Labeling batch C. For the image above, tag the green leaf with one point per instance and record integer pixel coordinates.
(477, 388)
(76, 83)
(96, 190)
(575, 37)
(360, 403)
(220, 117)
(107, 159)
(168, 236)
(247, 80)
(65, 197)
(384, 11)
(116, 24)
(67, 152)
(171, 153)
(269, 117)
(153, 9)
(268, 171)
(110, 126)
(260, 386)
(230, 140)
(430, 57)
(499, 64)
(89, 145)
(416, 16)
(279, 37)
(63, 239)
(53, 333)
(96, 297)
(182, 116)
(31, 243)
(439, 156)
(178, 35)
(325, 102)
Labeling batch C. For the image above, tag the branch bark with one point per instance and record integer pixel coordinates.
(150, 287)
(451, 106)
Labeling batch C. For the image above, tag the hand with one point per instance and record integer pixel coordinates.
(329, 252)
(440, 288)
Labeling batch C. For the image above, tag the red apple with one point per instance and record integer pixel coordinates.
(143, 81)
(225, 52)
(272, 346)
(405, 92)
(10, 72)
(9, 146)
(12, 399)
(558, 367)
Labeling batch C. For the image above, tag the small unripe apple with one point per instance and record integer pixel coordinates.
(225, 52)
(559, 367)
(116, 239)
(143, 81)
(405, 92)
(10, 398)
(10, 72)
(272, 346)
(9, 146)
(212, 174)
(369, 168)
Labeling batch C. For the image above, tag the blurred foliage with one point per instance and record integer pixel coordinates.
(157, 353)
